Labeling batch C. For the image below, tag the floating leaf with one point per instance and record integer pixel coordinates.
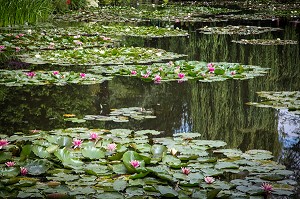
(37, 167)
(92, 152)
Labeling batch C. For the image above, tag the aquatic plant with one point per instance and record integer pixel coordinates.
(99, 56)
(277, 41)
(186, 70)
(280, 100)
(22, 77)
(144, 13)
(240, 30)
(50, 40)
(118, 30)
(125, 162)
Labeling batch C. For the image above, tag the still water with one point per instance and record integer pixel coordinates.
(217, 110)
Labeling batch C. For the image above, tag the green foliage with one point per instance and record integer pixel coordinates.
(24, 11)
(78, 4)
(59, 6)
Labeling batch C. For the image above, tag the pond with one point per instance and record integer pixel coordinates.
(217, 110)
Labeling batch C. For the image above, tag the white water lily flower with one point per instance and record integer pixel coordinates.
(38, 56)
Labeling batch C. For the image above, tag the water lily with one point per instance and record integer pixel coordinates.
(30, 74)
(135, 163)
(177, 70)
(170, 63)
(77, 42)
(185, 170)
(173, 151)
(3, 143)
(209, 65)
(10, 164)
(77, 143)
(23, 171)
(111, 147)
(157, 79)
(18, 49)
(232, 72)
(211, 69)
(2, 47)
(51, 45)
(76, 36)
(268, 188)
(209, 180)
(55, 72)
(82, 75)
(21, 34)
(133, 72)
(93, 136)
(181, 75)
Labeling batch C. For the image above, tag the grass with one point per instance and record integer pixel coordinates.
(22, 12)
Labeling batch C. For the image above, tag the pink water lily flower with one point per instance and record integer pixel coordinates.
(209, 65)
(211, 69)
(170, 63)
(23, 171)
(77, 42)
(93, 136)
(185, 170)
(3, 143)
(133, 72)
(18, 49)
(10, 164)
(21, 34)
(82, 75)
(55, 72)
(145, 75)
(268, 188)
(135, 163)
(181, 75)
(111, 147)
(232, 72)
(77, 143)
(30, 74)
(157, 79)
(2, 47)
(209, 180)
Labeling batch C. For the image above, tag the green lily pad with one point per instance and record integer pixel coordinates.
(92, 152)
(38, 167)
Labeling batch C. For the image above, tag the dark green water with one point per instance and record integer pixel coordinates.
(216, 110)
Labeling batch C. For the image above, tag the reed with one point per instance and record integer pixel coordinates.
(21, 12)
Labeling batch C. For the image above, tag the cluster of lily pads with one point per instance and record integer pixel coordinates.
(155, 12)
(285, 99)
(265, 41)
(182, 70)
(117, 115)
(120, 30)
(255, 16)
(34, 40)
(240, 30)
(122, 163)
(99, 56)
(22, 77)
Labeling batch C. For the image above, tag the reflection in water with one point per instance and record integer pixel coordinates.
(288, 128)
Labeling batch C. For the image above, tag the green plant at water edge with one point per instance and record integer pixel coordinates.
(78, 4)
(24, 11)
(59, 6)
